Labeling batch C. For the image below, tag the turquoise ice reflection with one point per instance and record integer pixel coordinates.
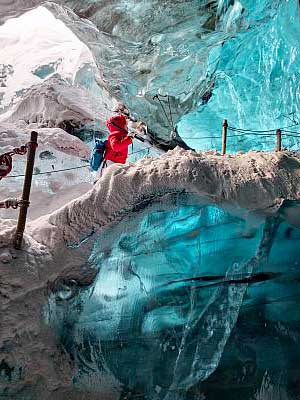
(175, 287)
(255, 71)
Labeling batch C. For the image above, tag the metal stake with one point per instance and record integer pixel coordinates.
(32, 145)
(224, 136)
(278, 140)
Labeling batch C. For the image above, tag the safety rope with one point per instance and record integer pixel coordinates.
(6, 160)
(171, 116)
(284, 132)
(263, 131)
(170, 120)
(49, 172)
(10, 203)
(71, 168)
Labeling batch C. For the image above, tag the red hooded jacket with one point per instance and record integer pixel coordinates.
(117, 141)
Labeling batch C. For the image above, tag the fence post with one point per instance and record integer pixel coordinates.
(224, 136)
(32, 145)
(278, 140)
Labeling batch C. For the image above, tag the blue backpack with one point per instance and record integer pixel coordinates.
(98, 154)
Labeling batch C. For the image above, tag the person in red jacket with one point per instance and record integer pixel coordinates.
(118, 140)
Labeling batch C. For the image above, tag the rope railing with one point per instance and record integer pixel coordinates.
(70, 168)
(49, 172)
(277, 133)
(262, 131)
(10, 203)
(294, 134)
(241, 133)
(6, 160)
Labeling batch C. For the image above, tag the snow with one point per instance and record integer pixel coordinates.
(256, 182)
(248, 183)
(53, 102)
(59, 51)
(56, 150)
(56, 138)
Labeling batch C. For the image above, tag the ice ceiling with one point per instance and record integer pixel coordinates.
(215, 59)
(175, 278)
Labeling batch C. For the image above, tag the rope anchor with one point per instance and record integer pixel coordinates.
(5, 169)
(10, 203)
(6, 160)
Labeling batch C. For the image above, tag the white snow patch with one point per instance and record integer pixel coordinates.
(58, 139)
(37, 39)
(56, 150)
(53, 102)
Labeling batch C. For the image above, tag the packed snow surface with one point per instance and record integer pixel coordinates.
(253, 181)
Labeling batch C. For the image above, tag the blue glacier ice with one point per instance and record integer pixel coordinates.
(236, 59)
(190, 301)
(255, 74)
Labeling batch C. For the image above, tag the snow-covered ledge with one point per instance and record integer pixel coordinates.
(253, 182)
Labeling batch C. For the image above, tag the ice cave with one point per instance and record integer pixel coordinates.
(173, 276)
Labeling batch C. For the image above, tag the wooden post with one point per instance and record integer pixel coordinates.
(32, 145)
(278, 140)
(224, 136)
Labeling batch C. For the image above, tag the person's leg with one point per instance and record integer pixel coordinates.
(105, 164)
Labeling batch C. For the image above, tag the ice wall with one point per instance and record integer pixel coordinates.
(116, 254)
(255, 72)
(177, 289)
(236, 60)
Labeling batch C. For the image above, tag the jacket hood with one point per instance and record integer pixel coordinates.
(118, 120)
